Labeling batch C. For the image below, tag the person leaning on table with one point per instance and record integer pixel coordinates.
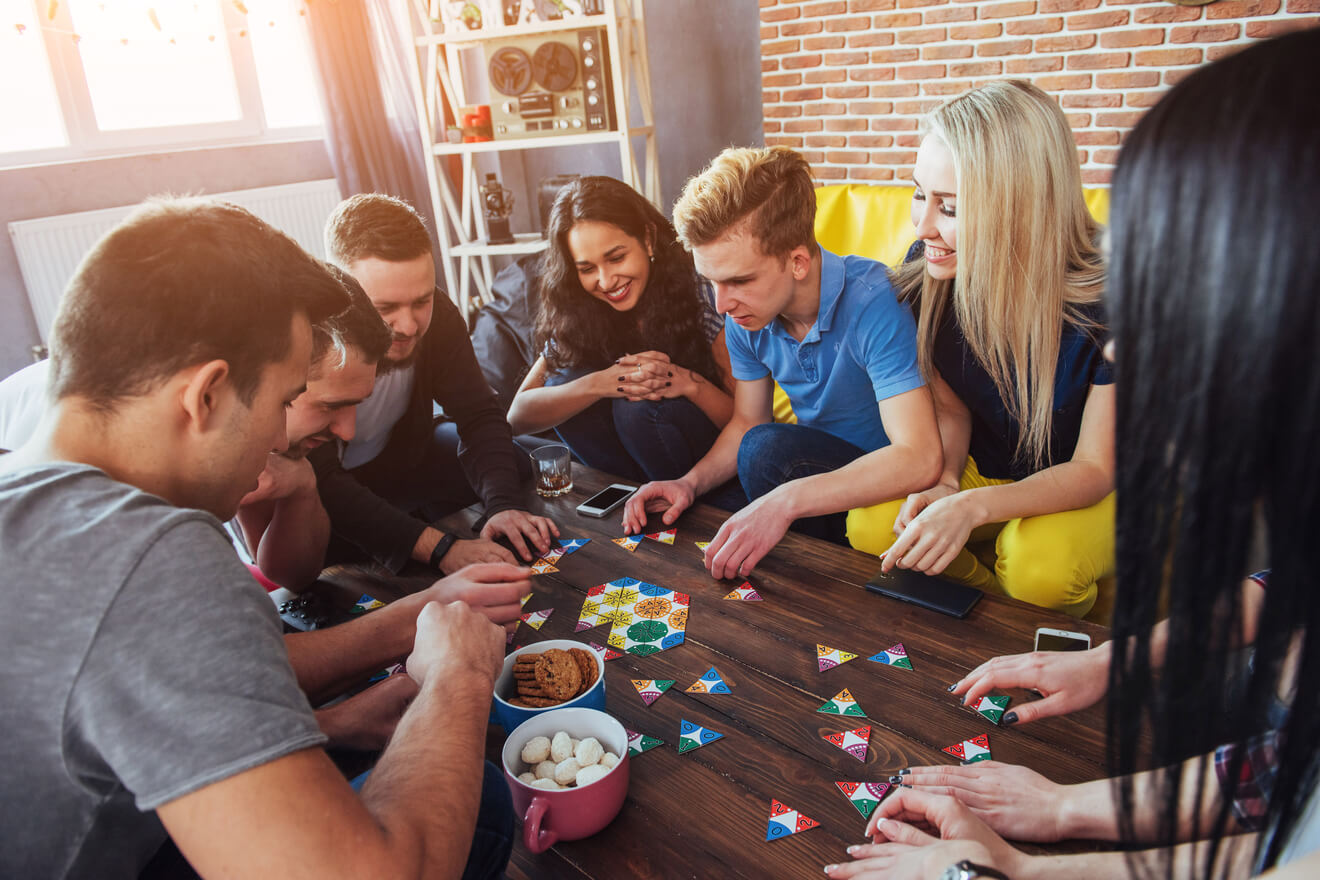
(1214, 288)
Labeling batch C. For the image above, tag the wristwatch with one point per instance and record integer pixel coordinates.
(441, 548)
(966, 869)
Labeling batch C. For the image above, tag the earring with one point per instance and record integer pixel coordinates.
(652, 257)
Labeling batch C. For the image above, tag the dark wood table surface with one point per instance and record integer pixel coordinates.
(703, 814)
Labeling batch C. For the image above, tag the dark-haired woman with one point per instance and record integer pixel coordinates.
(1214, 293)
(633, 371)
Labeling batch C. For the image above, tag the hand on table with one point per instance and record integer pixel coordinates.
(1069, 681)
(673, 497)
(747, 536)
(455, 643)
(493, 590)
(1014, 801)
(466, 551)
(514, 525)
(366, 721)
(901, 850)
(282, 477)
(939, 522)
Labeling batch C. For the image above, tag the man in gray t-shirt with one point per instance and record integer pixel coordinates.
(149, 690)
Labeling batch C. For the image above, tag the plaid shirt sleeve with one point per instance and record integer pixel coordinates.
(1255, 782)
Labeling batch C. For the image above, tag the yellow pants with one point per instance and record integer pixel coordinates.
(1053, 560)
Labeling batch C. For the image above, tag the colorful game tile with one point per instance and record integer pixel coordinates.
(864, 796)
(968, 751)
(542, 566)
(842, 704)
(828, 657)
(651, 689)
(744, 592)
(993, 706)
(386, 673)
(365, 604)
(640, 743)
(629, 542)
(853, 742)
(692, 736)
(523, 601)
(535, 619)
(665, 536)
(894, 656)
(784, 821)
(569, 545)
(610, 654)
(711, 682)
(702, 545)
(643, 618)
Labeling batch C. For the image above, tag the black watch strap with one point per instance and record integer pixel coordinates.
(441, 548)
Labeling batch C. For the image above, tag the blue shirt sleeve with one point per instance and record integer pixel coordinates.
(743, 362)
(885, 341)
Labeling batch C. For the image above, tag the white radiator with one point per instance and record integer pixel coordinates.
(50, 248)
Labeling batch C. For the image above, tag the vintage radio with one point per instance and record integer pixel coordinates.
(550, 84)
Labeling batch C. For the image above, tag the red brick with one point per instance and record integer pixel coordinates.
(1096, 176)
(870, 108)
(874, 173)
(871, 74)
(1164, 14)
(825, 108)
(1128, 39)
(1046, 64)
(870, 141)
(778, 13)
(1067, 5)
(875, 38)
(916, 108)
(897, 20)
(827, 141)
(783, 141)
(1081, 157)
(907, 141)
(1094, 21)
(895, 90)
(1205, 33)
(1214, 53)
(1241, 8)
(1144, 99)
(945, 87)
(1168, 57)
(826, 76)
(799, 62)
(1091, 101)
(771, 125)
(1104, 157)
(1078, 120)
(798, 28)
(949, 13)
(803, 95)
(1262, 29)
(976, 31)
(918, 4)
(1132, 79)
(893, 157)
(769, 33)
(848, 157)
(1093, 139)
(1119, 120)
(1069, 43)
(1301, 6)
(851, 23)
(1047, 25)
(893, 56)
(835, 7)
(1013, 9)
(921, 71)
(779, 80)
(829, 172)
(769, 64)
(779, 111)
(925, 35)
(977, 68)
(1004, 47)
(869, 5)
(781, 47)
(845, 125)
(814, 157)
(1064, 82)
(803, 125)
(934, 53)
(817, 43)
(1098, 61)
(846, 92)
(769, 96)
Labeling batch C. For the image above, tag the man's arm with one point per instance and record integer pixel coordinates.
(360, 516)
(284, 523)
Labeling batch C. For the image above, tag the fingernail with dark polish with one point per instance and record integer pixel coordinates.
(671, 373)
(1009, 719)
(952, 687)
(905, 785)
(669, 383)
(905, 770)
(620, 388)
(896, 779)
(620, 379)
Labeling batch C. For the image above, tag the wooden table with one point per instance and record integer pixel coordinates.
(703, 814)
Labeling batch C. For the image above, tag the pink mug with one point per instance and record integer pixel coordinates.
(551, 816)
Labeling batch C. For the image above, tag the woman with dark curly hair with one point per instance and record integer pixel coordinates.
(633, 373)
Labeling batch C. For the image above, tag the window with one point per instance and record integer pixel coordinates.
(82, 78)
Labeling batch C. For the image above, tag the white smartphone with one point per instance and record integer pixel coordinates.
(606, 500)
(1050, 640)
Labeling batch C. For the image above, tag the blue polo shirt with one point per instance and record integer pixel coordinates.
(861, 350)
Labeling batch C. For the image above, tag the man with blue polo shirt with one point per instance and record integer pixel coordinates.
(829, 331)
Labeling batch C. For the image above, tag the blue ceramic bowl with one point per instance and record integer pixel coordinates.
(510, 717)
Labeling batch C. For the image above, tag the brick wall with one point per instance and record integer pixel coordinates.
(846, 81)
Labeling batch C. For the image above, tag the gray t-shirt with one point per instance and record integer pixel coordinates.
(142, 662)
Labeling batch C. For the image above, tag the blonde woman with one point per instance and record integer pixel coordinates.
(1006, 281)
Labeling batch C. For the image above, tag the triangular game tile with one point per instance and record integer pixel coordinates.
(853, 742)
(610, 654)
(692, 736)
(701, 545)
(629, 542)
(542, 566)
(827, 657)
(842, 704)
(569, 545)
(864, 796)
(711, 682)
(523, 601)
(993, 706)
(535, 619)
(977, 749)
(784, 821)
(744, 592)
(651, 689)
(365, 603)
(894, 656)
(640, 743)
(665, 536)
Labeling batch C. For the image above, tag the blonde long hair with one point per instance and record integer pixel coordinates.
(1027, 255)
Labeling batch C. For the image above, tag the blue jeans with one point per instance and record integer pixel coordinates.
(773, 454)
(492, 842)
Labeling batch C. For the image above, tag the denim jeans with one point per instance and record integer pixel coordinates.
(773, 454)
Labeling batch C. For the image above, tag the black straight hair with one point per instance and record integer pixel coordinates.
(1214, 293)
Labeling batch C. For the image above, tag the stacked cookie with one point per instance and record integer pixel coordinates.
(549, 678)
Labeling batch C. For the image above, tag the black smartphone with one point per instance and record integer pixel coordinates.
(927, 591)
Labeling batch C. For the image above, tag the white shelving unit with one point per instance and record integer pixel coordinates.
(440, 89)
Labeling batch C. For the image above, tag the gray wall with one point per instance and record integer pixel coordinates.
(66, 187)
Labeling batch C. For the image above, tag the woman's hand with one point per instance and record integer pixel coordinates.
(935, 536)
(1069, 681)
(918, 502)
(646, 376)
(1014, 801)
